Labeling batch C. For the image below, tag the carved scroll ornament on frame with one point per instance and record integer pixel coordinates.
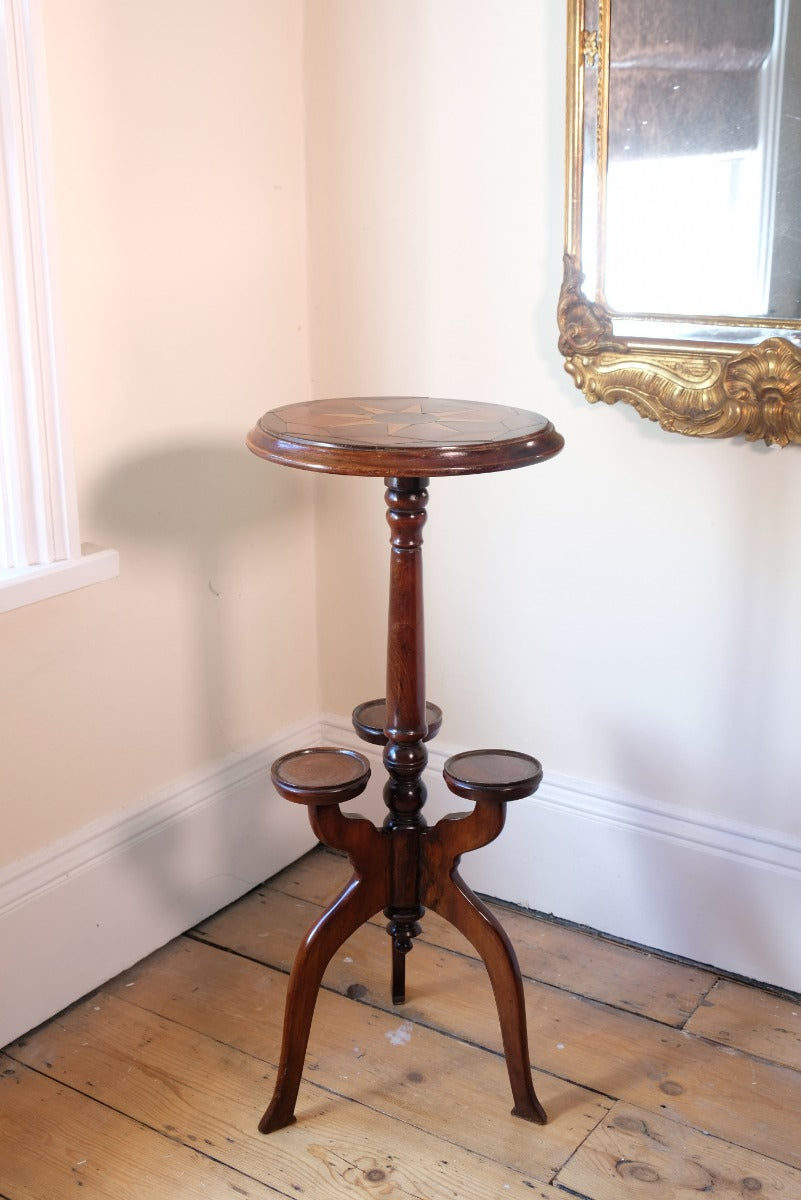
(718, 376)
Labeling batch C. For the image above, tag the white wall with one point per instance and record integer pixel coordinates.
(628, 611)
(180, 194)
(130, 803)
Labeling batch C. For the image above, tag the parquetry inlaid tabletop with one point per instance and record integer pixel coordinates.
(403, 436)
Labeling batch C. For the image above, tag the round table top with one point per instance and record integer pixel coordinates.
(403, 436)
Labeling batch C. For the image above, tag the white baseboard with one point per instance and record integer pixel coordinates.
(81, 911)
(717, 892)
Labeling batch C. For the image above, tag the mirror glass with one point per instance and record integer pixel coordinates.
(682, 286)
(697, 211)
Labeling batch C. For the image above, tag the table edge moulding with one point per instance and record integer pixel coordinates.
(412, 436)
(405, 866)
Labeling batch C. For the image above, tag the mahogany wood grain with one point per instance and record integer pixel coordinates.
(412, 436)
(471, 775)
(320, 775)
(369, 720)
(404, 866)
(359, 900)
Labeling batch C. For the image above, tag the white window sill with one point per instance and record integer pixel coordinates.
(26, 585)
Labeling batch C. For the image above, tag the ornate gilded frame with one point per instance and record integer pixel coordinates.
(719, 388)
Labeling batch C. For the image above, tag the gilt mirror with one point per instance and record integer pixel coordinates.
(682, 287)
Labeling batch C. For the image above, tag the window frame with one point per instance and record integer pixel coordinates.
(40, 549)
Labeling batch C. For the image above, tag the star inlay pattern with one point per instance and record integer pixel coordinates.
(440, 435)
(396, 420)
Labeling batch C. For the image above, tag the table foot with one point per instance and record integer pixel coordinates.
(358, 902)
(448, 894)
(347, 913)
(321, 779)
(467, 913)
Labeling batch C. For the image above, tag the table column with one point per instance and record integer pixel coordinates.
(405, 754)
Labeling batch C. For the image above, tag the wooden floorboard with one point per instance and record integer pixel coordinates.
(573, 959)
(661, 1080)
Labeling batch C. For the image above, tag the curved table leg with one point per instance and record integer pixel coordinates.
(450, 896)
(360, 899)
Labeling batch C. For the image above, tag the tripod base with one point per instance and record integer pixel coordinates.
(372, 852)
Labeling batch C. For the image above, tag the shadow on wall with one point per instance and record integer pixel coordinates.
(193, 502)
(196, 499)
(193, 495)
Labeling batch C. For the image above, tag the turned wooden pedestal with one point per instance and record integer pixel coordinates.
(405, 866)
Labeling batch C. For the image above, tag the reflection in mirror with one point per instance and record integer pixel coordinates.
(683, 217)
(696, 105)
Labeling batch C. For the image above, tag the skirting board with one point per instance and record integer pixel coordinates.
(81, 911)
(717, 892)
